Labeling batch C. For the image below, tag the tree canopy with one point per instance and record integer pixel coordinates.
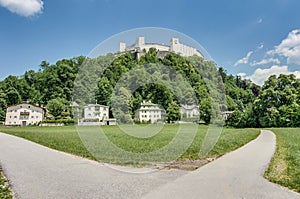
(275, 104)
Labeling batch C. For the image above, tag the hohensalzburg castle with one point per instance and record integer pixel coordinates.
(175, 46)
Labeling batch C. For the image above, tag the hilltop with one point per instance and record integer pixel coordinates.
(276, 103)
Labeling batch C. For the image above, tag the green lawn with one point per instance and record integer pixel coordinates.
(68, 140)
(284, 168)
(5, 192)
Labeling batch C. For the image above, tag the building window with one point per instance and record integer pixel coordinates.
(28, 106)
(9, 116)
(37, 116)
(15, 117)
(21, 107)
(32, 116)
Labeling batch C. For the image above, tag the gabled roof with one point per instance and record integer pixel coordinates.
(26, 103)
(185, 106)
(93, 105)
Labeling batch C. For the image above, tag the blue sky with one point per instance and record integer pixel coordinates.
(251, 38)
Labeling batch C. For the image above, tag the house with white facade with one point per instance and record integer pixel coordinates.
(189, 111)
(96, 112)
(175, 46)
(95, 115)
(24, 114)
(149, 112)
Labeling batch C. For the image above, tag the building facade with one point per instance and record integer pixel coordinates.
(175, 46)
(96, 112)
(24, 114)
(149, 112)
(189, 111)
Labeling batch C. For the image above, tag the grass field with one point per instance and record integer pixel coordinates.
(284, 168)
(5, 192)
(68, 140)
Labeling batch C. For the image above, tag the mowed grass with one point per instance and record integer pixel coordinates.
(284, 168)
(5, 192)
(89, 143)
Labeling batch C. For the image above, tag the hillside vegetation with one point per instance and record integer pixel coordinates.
(274, 104)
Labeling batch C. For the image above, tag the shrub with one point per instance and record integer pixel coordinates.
(65, 122)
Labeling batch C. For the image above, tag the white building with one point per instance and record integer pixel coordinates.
(175, 46)
(189, 111)
(226, 114)
(149, 112)
(24, 114)
(96, 112)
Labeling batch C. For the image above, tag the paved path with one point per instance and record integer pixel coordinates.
(234, 175)
(36, 172)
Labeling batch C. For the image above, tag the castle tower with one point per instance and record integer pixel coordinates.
(122, 47)
(174, 45)
(140, 41)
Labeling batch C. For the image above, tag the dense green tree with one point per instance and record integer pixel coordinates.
(2, 105)
(173, 112)
(277, 104)
(104, 91)
(13, 96)
(56, 107)
(235, 119)
(120, 105)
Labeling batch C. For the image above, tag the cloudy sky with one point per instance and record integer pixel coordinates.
(253, 39)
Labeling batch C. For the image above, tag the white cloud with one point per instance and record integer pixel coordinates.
(23, 7)
(261, 75)
(244, 60)
(265, 61)
(242, 75)
(289, 47)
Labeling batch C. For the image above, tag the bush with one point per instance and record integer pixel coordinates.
(91, 120)
(65, 122)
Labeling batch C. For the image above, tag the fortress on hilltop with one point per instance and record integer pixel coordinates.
(140, 47)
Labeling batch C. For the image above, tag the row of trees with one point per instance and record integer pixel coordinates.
(51, 86)
(277, 105)
(123, 81)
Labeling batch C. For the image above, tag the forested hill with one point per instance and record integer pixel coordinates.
(276, 103)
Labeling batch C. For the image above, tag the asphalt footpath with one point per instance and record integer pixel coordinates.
(35, 171)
